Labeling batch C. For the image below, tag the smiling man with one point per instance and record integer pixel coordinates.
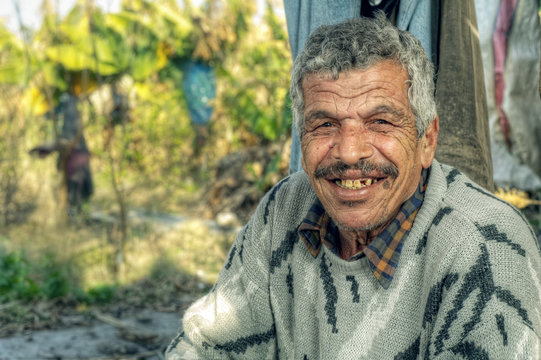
(376, 250)
(361, 150)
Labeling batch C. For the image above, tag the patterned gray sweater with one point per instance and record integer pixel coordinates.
(467, 286)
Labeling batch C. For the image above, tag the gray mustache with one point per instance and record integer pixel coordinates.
(337, 169)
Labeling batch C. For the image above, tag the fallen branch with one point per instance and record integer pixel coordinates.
(137, 356)
(129, 331)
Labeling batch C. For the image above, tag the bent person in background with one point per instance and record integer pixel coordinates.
(376, 250)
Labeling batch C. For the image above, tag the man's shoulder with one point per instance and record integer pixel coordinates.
(472, 230)
(295, 187)
(290, 199)
(474, 207)
(470, 197)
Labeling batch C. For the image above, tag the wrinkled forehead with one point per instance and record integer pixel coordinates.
(384, 74)
(334, 74)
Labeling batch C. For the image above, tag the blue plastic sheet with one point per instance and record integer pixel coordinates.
(199, 87)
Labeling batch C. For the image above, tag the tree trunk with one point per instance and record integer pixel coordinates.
(463, 140)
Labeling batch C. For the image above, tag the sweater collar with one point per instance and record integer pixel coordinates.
(384, 251)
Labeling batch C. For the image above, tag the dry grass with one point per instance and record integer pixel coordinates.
(87, 246)
(193, 248)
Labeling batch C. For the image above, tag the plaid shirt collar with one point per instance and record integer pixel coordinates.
(384, 251)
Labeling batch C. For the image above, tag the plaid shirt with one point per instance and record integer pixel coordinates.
(383, 252)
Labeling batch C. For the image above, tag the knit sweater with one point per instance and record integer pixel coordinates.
(467, 285)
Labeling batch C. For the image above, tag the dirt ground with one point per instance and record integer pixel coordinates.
(143, 335)
(138, 323)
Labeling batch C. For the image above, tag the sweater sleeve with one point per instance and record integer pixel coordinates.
(234, 320)
(490, 297)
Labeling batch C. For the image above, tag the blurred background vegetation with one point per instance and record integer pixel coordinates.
(160, 179)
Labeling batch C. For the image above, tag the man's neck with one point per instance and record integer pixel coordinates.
(352, 242)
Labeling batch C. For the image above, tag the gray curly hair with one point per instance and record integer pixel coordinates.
(358, 44)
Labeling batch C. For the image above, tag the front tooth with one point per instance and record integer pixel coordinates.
(357, 183)
(368, 182)
(349, 183)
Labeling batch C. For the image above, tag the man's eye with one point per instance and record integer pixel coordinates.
(381, 122)
(326, 124)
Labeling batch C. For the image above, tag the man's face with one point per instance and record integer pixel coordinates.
(359, 144)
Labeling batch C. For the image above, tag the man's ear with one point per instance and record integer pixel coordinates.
(429, 141)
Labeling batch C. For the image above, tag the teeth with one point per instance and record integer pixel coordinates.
(355, 184)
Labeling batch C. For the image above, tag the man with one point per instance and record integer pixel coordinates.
(376, 251)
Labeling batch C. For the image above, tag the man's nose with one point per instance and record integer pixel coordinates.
(354, 144)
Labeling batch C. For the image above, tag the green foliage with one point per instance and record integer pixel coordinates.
(257, 81)
(89, 49)
(101, 294)
(13, 64)
(53, 282)
(15, 282)
(101, 50)
(13, 72)
(49, 279)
